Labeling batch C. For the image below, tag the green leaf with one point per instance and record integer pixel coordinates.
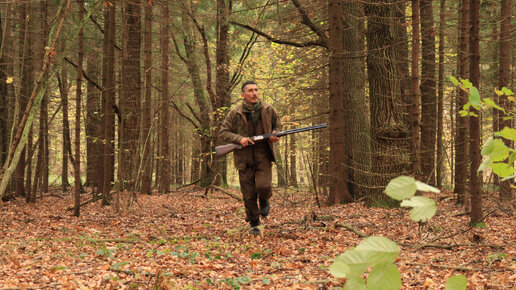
(463, 113)
(508, 177)
(356, 263)
(454, 81)
(383, 277)
(339, 269)
(423, 208)
(502, 169)
(508, 133)
(500, 151)
(245, 280)
(474, 96)
(485, 164)
(457, 282)
(493, 104)
(488, 147)
(378, 250)
(355, 283)
(466, 83)
(507, 91)
(421, 186)
(401, 187)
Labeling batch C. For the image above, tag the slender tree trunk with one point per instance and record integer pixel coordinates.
(63, 85)
(440, 98)
(78, 111)
(504, 79)
(475, 186)
(147, 104)
(428, 95)
(461, 141)
(165, 112)
(4, 101)
(415, 104)
(109, 100)
(222, 81)
(338, 171)
(293, 161)
(93, 124)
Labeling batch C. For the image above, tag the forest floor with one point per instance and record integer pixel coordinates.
(186, 241)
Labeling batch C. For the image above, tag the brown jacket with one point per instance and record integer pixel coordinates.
(235, 128)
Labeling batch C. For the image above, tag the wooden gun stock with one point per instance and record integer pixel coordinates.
(225, 149)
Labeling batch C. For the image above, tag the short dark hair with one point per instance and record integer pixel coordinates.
(248, 83)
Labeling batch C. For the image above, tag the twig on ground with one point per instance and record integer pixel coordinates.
(351, 229)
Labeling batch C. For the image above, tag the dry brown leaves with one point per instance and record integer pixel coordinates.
(183, 240)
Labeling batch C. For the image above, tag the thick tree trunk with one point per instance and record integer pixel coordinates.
(475, 186)
(130, 99)
(338, 171)
(358, 156)
(504, 79)
(390, 139)
(93, 125)
(147, 105)
(165, 112)
(4, 102)
(428, 95)
(461, 140)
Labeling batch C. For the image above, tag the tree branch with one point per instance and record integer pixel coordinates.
(184, 115)
(280, 41)
(85, 75)
(306, 21)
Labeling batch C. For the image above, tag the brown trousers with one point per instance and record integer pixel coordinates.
(255, 183)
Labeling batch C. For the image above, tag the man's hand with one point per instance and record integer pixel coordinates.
(274, 139)
(246, 141)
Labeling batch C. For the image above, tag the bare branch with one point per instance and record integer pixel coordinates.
(306, 21)
(184, 115)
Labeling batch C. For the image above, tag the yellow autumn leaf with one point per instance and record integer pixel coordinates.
(498, 92)
(512, 99)
(9, 80)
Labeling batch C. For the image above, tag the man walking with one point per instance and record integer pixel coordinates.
(252, 117)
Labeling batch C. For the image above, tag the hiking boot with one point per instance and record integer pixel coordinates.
(265, 207)
(254, 227)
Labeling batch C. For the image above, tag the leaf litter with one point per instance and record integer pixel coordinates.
(186, 240)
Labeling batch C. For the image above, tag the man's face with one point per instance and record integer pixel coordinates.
(250, 93)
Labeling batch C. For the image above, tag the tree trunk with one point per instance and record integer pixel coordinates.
(415, 93)
(63, 89)
(428, 95)
(222, 81)
(461, 141)
(109, 101)
(147, 105)
(440, 98)
(4, 101)
(390, 140)
(165, 113)
(130, 99)
(93, 125)
(338, 171)
(358, 158)
(504, 79)
(78, 111)
(475, 186)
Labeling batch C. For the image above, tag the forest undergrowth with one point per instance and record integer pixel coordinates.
(184, 240)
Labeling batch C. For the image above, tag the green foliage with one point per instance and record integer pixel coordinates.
(379, 253)
(236, 283)
(404, 188)
(457, 282)
(499, 157)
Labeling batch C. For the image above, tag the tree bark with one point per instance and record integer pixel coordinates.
(78, 111)
(475, 186)
(461, 140)
(440, 98)
(415, 93)
(338, 171)
(147, 104)
(63, 89)
(130, 99)
(109, 101)
(165, 113)
(504, 79)
(428, 94)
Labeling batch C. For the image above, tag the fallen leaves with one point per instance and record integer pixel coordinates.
(185, 240)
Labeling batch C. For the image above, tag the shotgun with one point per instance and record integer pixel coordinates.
(225, 149)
